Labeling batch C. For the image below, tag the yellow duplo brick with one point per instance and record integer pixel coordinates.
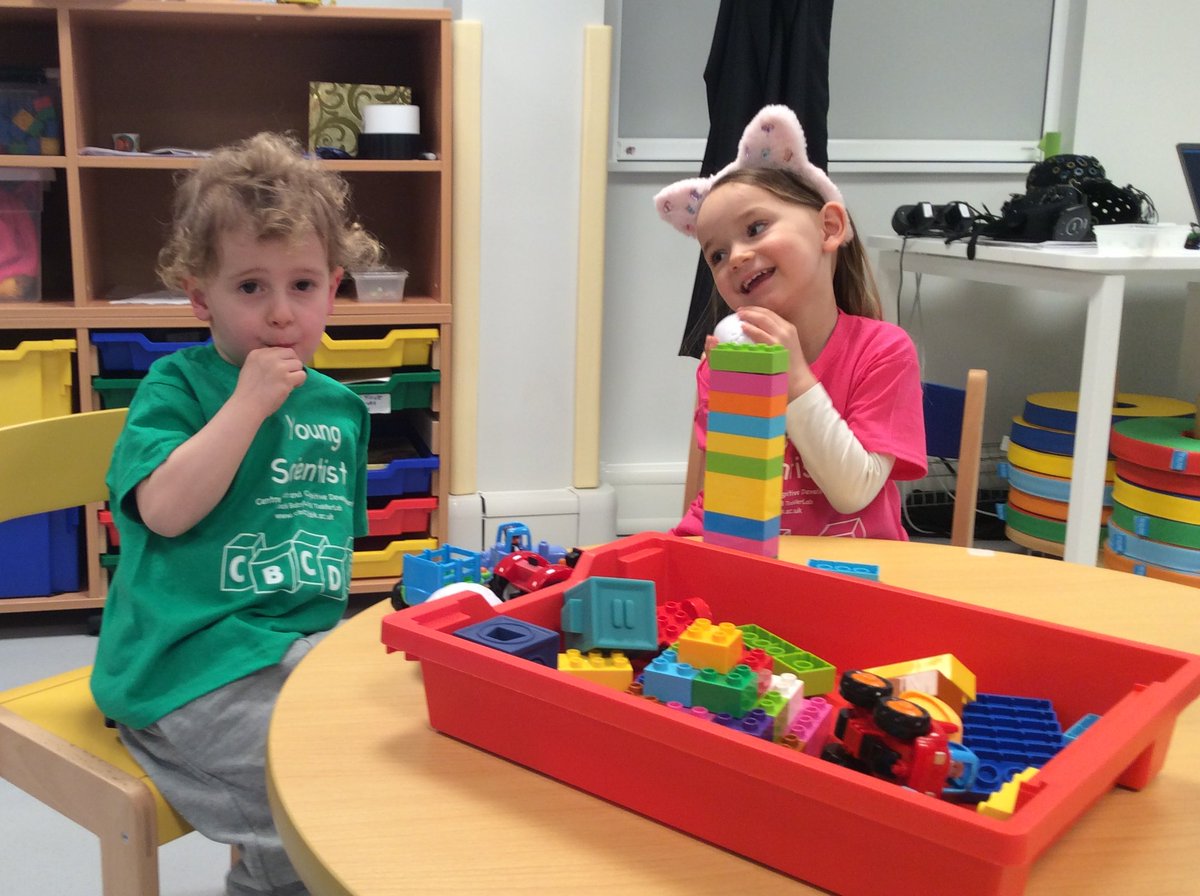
(745, 446)
(614, 670)
(944, 676)
(1003, 802)
(708, 646)
(753, 499)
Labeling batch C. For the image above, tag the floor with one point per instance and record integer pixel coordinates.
(43, 854)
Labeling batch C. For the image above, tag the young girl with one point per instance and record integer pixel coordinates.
(776, 234)
(237, 485)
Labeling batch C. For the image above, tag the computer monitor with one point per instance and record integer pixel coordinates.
(1189, 159)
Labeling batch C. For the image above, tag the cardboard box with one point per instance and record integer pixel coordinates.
(833, 827)
(335, 111)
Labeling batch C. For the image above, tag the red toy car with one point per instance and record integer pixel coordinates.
(520, 572)
(889, 737)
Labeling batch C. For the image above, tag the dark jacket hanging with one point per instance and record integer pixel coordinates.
(763, 51)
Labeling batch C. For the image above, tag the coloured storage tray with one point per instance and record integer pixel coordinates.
(399, 348)
(115, 392)
(39, 554)
(132, 352)
(836, 828)
(402, 516)
(388, 562)
(407, 470)
(105, 519)
(401, 391)
(35, 380)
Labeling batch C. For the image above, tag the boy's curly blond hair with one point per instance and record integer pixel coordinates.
(266, 185)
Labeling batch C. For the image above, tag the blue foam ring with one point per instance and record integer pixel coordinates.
(1156, 553)
(1046, 487)
(1038, 438)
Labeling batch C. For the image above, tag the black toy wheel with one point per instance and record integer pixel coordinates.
(902, 719)
(398, 602)
(864, 689)
(503, 588)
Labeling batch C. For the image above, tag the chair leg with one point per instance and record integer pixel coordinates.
(129, 863)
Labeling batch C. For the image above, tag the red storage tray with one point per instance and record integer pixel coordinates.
(401, 516)
(830, 826)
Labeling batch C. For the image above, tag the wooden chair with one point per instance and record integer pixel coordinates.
(954, 430)
(962, 407)
(54, 744)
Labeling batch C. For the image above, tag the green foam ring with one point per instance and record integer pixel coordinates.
(1156, 528)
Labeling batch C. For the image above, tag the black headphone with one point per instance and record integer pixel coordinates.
(953, 220)
(914, 220)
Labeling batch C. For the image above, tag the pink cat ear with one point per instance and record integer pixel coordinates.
(772, 139)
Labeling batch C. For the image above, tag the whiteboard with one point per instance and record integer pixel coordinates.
(920, 80)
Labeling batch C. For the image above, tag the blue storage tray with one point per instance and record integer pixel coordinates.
(126, 352)
(404, 475)
(39, 554)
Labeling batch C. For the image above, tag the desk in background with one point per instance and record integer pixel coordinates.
(1100, 280)
(370, 801)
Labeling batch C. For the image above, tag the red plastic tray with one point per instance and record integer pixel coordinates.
(796, 813)
(402, 516)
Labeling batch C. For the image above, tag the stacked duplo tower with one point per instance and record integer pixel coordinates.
(743, 464)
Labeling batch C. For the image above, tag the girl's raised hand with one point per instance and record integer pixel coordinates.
(767, 328)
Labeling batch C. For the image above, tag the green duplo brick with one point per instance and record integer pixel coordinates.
(754, 358)
(748, 467)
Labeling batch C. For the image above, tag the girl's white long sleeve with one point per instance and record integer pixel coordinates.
(848, 474)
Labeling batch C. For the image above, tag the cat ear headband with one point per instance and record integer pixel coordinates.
(773, 139)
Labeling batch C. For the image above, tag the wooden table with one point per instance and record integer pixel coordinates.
(371, 801)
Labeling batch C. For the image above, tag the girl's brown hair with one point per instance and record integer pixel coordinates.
(853, 283)
(266, 185)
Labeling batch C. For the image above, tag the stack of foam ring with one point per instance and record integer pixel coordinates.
(1155, 525)
(1040, 450)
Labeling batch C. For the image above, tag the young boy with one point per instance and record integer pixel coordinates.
(237, 486)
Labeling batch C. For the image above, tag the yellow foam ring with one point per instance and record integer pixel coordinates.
(1113, 560)
(1168, 507)
(937, 708)
(1048, 464)
(1057, 410)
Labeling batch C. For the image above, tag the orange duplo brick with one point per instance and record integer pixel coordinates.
(749, 405)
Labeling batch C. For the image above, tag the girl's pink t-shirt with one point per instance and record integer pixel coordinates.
(870, 370)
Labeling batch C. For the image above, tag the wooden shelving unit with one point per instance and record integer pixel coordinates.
(199, 75)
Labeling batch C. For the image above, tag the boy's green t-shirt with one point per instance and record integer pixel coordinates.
(270, 563)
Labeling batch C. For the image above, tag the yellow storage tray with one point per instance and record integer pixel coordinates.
(388, 562)
(399, 348)
(35, 380)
